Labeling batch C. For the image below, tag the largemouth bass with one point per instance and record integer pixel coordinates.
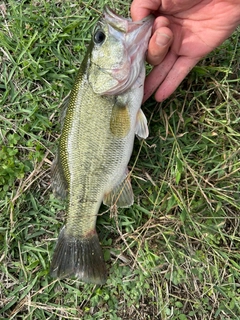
(101, 120)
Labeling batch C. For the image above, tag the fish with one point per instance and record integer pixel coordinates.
(101, 119)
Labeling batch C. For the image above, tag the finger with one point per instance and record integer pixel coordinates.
(159, 45)
(158, 74)
(177, 73)
(160, 22)
(142, 8)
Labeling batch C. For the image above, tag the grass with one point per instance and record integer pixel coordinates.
(175, 253)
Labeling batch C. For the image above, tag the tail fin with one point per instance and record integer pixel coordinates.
(81, 258)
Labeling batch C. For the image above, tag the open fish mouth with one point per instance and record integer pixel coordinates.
(134, 37)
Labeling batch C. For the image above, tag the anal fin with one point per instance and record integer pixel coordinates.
(121, 195)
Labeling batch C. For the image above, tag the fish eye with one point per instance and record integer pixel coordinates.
(99, 37)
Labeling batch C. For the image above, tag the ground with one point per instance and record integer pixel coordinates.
(175, 253)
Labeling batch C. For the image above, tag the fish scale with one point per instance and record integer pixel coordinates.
(101, 120)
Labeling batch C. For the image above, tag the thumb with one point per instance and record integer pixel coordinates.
(159, 45)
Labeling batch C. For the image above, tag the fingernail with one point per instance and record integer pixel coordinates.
(162, 39)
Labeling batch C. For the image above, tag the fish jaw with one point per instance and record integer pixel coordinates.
(130, 41)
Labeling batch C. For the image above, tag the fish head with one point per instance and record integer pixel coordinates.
(118, 52)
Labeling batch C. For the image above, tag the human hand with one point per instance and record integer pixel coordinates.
(191, 29)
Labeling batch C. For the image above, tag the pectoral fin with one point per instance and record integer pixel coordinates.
(141, 125)
(58, 183)
(120, 121)
(121, 195)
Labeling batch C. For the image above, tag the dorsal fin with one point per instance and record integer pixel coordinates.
(59, 184)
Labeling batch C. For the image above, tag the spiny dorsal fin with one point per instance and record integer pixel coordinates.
(63, 109)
